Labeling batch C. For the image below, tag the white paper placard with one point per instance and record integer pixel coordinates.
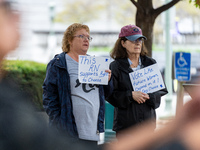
(92, 69)
(147, 80)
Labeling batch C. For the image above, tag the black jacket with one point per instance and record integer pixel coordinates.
(127, 111)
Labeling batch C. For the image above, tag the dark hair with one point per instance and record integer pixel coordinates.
(119, 51)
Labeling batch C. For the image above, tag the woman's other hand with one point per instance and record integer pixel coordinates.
(139, 96)
(109, 74)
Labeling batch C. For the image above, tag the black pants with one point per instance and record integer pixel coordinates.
(88, 143)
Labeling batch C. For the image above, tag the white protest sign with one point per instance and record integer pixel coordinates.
(147, 80)
(92, 69)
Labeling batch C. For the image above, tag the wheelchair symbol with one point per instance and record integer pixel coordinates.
(181, 61)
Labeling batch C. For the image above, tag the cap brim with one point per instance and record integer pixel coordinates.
(135, 37)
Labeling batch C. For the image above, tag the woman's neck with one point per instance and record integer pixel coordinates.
(73, 55)
(135, 60)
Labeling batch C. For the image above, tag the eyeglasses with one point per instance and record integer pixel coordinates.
(137, 41)
(89, 38)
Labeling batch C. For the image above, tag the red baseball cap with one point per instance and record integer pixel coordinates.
(131, 32)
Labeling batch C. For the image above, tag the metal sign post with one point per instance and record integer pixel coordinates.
(168, 62)
(180, 94)
(182, 72)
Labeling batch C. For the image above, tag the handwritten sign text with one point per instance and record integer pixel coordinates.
(92, 69)
(147, 80)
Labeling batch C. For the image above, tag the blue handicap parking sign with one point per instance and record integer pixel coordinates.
(182, 66)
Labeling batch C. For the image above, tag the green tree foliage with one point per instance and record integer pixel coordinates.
(144, 13)
(122, 13)
(29, 76)
(80, 11)
(184, 9)
(196, 3)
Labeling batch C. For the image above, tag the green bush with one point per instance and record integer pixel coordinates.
(29, 76)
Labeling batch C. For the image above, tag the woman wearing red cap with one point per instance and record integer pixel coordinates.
(131, 107)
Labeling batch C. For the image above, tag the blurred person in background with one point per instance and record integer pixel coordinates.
(75, 109)
(21, 127)
(131, 107)
(9, 30)
(181, 133)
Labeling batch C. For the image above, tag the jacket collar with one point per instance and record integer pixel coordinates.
(124, 65)
(61, 61)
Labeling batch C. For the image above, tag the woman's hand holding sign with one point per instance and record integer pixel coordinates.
(139, 96)
(109, 73)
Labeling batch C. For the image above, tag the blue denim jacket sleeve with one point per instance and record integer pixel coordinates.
(50, 94)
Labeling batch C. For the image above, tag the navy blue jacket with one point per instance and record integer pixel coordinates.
(57, 100)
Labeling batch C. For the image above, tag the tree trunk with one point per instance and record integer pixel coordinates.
(146, 16)
(146, 23)
(145, 19)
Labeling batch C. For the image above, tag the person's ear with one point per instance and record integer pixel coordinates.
(123, 43)
(70, 42)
